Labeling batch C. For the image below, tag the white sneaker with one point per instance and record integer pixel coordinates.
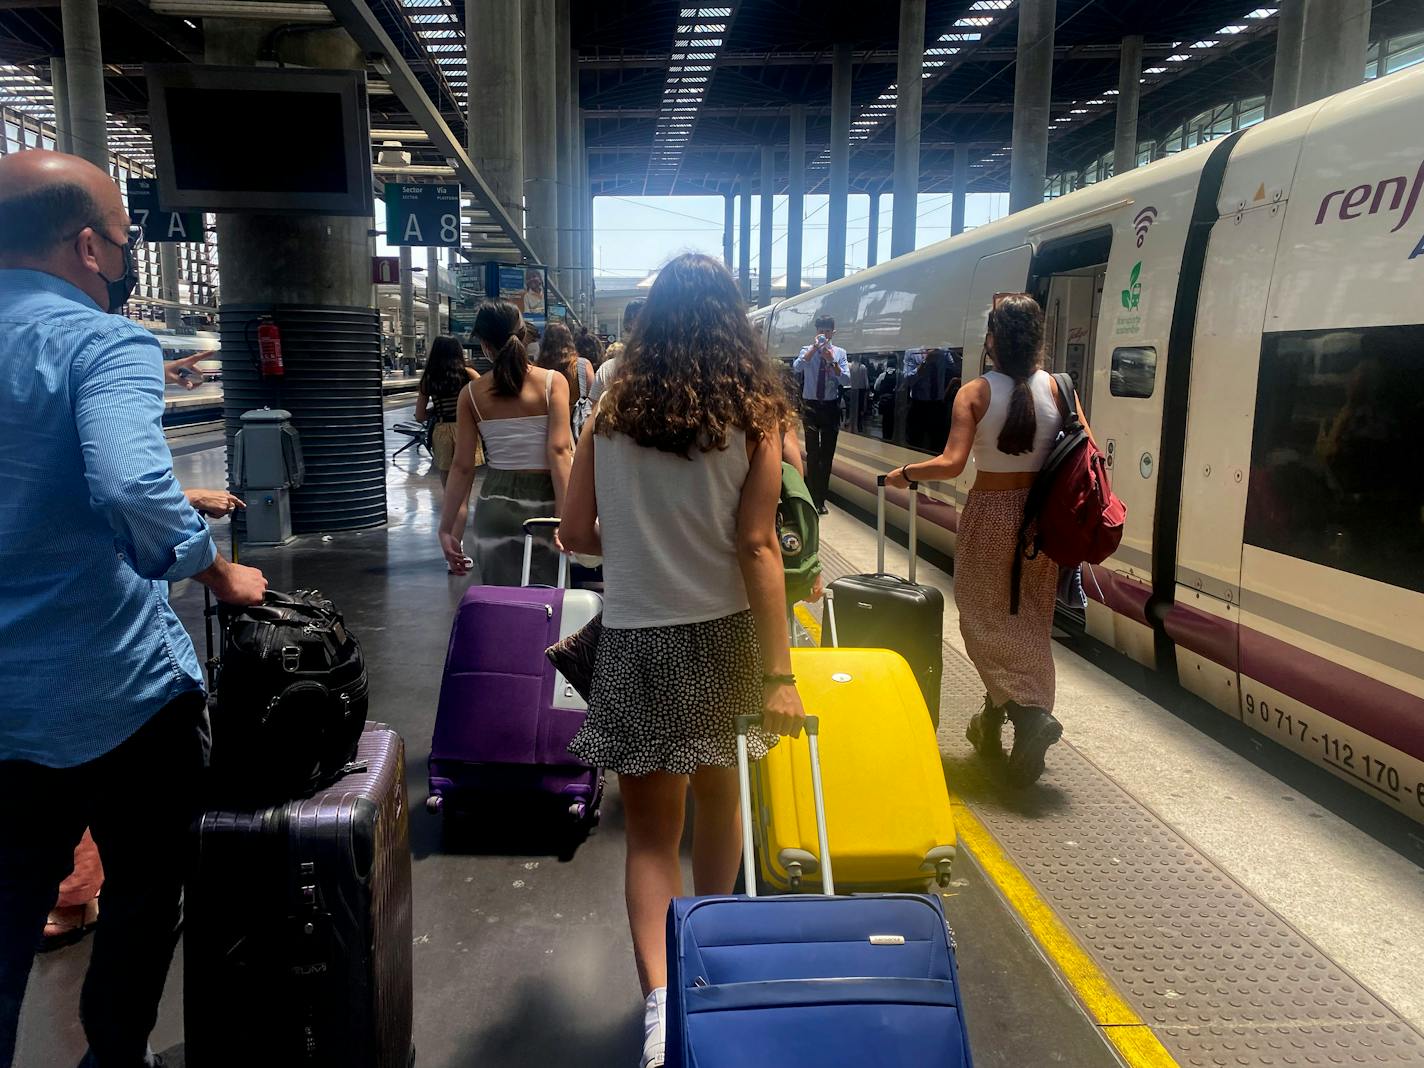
(654, 1028)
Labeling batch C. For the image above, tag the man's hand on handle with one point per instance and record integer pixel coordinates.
(234, 583)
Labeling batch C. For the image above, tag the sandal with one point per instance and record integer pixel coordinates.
(68, 925)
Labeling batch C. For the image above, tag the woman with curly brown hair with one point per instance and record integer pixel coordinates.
(685, 456)
(1008, 421)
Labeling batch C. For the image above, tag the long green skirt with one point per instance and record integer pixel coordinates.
(506, 500)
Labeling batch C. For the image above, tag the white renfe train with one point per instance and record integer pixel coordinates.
(1246, 324)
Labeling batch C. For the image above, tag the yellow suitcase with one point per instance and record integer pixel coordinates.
(887, 806)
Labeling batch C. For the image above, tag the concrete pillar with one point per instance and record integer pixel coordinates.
(838, 207)
(496, 129)
(432, 295)
(1285, 79)
(564, 124)
(909, 95)
(729, 224)
(1033, 88)
(872, 233)
(541, 153)
(169, 261)
(1333, 48)
(795, 199)
(744, 242)
(59, 86)
(1129, 92)
(314, 274)
(960, 192)
(765, 195)
(84, 74)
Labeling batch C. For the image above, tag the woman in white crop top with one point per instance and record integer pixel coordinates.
(676, 486)
(522, 414)
(1007, 421)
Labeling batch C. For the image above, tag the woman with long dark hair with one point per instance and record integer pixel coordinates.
(589, 347)
(522, 413)
(676, 486)
(558, 352)
(1008, 421)
(438, 395)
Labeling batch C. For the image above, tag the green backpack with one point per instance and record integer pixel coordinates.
(798, 533)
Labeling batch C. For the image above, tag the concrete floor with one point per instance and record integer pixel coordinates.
(522, 959)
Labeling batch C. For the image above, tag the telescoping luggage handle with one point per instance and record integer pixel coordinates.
(914, 540)
(914, 537)
(812, 726)
(531, 525)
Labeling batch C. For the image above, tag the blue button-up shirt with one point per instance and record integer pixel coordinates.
(93, 526)
(808, 366)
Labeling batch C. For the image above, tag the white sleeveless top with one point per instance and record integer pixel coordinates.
(517, 443)
(1048, 422)
(669, 531)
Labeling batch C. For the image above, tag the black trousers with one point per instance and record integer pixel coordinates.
(139, 800)
(821, 420)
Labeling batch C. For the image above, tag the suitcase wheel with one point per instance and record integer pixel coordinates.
(942, 872)
(434, 804)
(579, 811)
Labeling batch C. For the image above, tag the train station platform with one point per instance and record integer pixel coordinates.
(204, 403)
(1173, 892)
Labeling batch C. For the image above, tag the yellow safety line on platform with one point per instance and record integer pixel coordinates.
(1130, 1036)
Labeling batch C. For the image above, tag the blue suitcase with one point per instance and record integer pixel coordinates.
(838, 982)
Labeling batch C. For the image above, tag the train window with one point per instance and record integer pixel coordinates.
(1335, 471)
(1134, 372)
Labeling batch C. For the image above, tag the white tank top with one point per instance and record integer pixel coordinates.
(669, 529)
(517, 443)
(1048, 423)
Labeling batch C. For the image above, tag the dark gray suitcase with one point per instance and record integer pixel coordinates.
(297, 939)
(884, 611)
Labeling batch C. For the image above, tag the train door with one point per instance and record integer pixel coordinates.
(1216, 467)
(1002, 272)
(1070, 325)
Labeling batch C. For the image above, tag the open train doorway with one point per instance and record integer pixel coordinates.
(1067, 279)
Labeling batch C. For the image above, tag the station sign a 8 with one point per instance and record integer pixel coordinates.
(422, 214)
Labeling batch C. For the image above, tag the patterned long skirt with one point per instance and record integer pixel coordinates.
(507, 499)
(1012, 653)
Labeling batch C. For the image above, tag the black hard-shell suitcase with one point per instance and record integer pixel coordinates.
(884, 611)
(297, 941)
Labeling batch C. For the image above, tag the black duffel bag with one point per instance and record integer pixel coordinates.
(291, 698)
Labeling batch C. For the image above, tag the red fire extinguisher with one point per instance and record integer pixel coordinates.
(269, 348)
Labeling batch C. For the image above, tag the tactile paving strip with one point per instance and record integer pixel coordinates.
(1221, 979)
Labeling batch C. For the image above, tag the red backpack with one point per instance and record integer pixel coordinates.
(1074, 516)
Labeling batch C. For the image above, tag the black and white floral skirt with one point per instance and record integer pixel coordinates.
(664, 698)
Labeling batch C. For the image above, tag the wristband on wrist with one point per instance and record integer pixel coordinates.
(787, 679)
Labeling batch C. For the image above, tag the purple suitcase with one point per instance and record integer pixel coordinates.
(506, 717)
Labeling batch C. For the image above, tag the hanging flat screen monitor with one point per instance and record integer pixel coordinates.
(261, 139)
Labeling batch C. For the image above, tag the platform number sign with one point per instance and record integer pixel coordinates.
(422, 214)
(159, 225)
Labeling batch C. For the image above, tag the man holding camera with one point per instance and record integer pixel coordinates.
(823, 369)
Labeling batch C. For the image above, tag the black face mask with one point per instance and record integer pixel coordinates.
(122, 287)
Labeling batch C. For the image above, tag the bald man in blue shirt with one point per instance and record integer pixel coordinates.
(103, 722)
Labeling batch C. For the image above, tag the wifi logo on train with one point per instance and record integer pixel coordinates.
(1143, 222)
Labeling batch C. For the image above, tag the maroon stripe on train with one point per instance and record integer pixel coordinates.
(940, 513)
(1375, 708)
(1125, 596)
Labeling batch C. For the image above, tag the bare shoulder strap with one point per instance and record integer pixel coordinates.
(474, 403)
(548, 388)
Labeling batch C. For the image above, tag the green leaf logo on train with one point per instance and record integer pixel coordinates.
(1132, 295)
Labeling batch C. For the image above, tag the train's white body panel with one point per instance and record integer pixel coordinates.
(1274, 550)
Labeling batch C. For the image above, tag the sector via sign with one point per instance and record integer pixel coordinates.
(159, 225)
(422, 214)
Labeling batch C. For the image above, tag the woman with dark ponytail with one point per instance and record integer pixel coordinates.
(1008, 421)
(522, 413)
